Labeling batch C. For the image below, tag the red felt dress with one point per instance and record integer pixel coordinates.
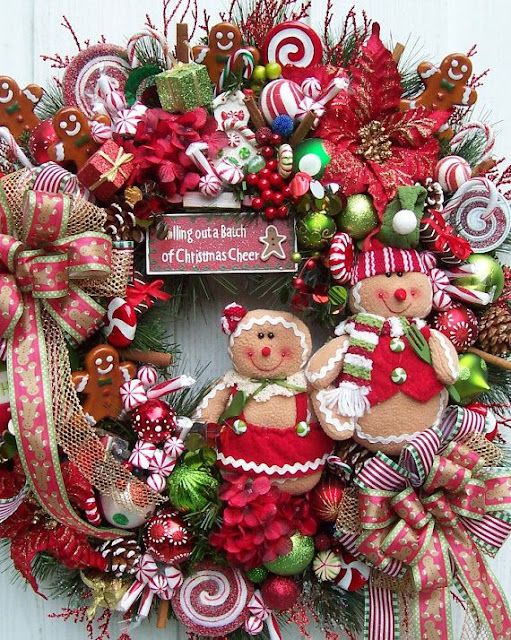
(278, 453)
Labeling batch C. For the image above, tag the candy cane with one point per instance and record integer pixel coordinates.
(471, 128)
(237, 125)
(149, 33)
(108, 91)
(14, 147)
(248, 68)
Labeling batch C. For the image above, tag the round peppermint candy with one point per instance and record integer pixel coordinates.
(451, 172)
(85, 69)
(213, 600)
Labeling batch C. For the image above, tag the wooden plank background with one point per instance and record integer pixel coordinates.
(430, 30)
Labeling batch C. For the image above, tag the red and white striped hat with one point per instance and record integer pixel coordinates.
(382, 260)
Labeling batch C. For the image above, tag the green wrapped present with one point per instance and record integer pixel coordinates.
(184, 87)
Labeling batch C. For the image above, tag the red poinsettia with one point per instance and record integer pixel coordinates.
(374, 146)
(32, 531)
(160, 143)
(258, 521)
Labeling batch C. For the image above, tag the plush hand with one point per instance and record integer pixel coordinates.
(213, 404)
(326, 364)
(444, 358)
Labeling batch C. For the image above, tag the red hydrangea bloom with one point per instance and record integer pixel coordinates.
(160, 143)
(258, 521)
(374, 146)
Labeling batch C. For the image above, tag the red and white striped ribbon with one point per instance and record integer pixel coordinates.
(8, 506)
(379, 614)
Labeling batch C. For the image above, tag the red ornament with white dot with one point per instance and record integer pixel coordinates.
(167, 538)
(154, 421)
(459, 324)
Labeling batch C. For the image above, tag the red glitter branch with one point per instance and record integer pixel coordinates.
(472, 51)
(57, 61)
(205, 25)
(335, 47)
(170, 9)
(501, 178)
(67, 25)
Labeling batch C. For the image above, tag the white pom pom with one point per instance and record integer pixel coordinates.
(404, 222)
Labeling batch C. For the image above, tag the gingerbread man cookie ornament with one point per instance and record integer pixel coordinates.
(446, 86)
(223, 40)
(76, 144)
(101, 380)
(17, 106)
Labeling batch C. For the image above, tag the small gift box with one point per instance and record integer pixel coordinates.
(184, 87)
(441, 239)
(106, 171)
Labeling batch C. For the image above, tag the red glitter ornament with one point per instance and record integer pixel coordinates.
(167, 538)
(154, 421)
(280, 593)
(459, 324)
(326, 499)
(322, 542)
(41, 138)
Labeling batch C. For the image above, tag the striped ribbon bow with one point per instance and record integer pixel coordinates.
(429, 517)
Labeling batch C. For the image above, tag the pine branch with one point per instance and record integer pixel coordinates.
(51, 101)
(152, 332)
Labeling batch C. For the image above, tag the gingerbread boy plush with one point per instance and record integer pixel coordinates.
(262, 406)
(384, 378)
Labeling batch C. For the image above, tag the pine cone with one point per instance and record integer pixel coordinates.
(122, 556)
(435, 195)
(121, 222)
(495, 330)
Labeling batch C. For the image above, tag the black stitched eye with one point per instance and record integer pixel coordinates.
(388, 274)
(399, 274)
(271, 335)
(260, 335)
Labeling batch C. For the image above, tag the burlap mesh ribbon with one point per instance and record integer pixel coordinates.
(49, 245)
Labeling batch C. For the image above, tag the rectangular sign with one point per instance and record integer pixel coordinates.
(221, 242)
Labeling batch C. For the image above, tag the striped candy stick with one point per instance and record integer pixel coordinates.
(247, 69)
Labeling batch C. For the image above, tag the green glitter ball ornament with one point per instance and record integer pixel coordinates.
(472, 378)
(190, 488)
(488, 275)
(315, 230)
(297, 560)
(359, 216)
(257, 575)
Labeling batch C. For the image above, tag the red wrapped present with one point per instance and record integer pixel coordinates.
(441, 239)
(106, 171)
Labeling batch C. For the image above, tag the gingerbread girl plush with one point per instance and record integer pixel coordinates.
(384, 378)
(262, 406)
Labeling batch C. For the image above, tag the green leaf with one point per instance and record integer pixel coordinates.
(235, 406)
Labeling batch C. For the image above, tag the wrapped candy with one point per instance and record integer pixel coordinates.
(184, 87)
(440, 238)
(107, 170)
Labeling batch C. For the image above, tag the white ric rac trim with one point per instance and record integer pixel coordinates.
(249, 386)
(248, 324)
(341, 426)
(356, 300)
(297, 467)
(197, 414)
(452, 365)
(329, 366)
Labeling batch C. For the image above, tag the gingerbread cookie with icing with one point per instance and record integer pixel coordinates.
(17, 106)
(76, 144)
(444, 87)
(223, 40)
(101, 380)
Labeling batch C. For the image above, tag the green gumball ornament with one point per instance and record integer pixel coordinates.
(297, 560)
(311, 157)
(488, 275)
(472, 379)
(273, 70)
(315, 230)
(191, 488)
(257, 575)
(259, 74)
(359, 216)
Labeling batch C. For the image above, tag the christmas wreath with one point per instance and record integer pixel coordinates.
(357, 487)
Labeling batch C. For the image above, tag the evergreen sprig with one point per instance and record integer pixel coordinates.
(51, 101)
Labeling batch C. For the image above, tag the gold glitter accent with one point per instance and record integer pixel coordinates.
(375, 144)
(132, 195)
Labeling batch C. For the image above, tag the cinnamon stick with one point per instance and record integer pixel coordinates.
(491, 359)
(156, 358)
(182, 50)
(163, 614)
(255, 113)
(398, 52)
(303, 128)
(483, 167)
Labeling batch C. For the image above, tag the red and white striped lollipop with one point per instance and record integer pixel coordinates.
(294, 43)
(480, 214)
(213, 600)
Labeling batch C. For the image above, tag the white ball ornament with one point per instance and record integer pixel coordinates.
(404, 222)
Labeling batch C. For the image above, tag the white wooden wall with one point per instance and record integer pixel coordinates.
(434, 27)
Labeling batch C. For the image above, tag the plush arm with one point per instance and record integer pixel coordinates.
(444, 358)
(326, 364)
(213, 405)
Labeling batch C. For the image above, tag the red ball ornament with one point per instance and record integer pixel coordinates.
(154, 421)
(41, 138)
(280, 593)
(272, 165)
(282, 211)
(459, 324)
(270, 213)
(257, 203)
(252, 178)
(275, 139)
(264, 172)
(267, 152)
(276, 180)
(326, 499)
(267, 195)
(263, 135)
(122, 323)
(167, 538)
(278, 198)
(322, 542)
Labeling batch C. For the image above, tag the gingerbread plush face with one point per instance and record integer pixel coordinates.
(17, 106)
(225, 38)
(270, 344)
(407, 294)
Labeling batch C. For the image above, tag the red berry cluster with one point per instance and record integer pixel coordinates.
(272, 188)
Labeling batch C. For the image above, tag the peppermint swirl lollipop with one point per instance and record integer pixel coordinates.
(293, 42)
(213, 600)
(81, 78)
(480, 214)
